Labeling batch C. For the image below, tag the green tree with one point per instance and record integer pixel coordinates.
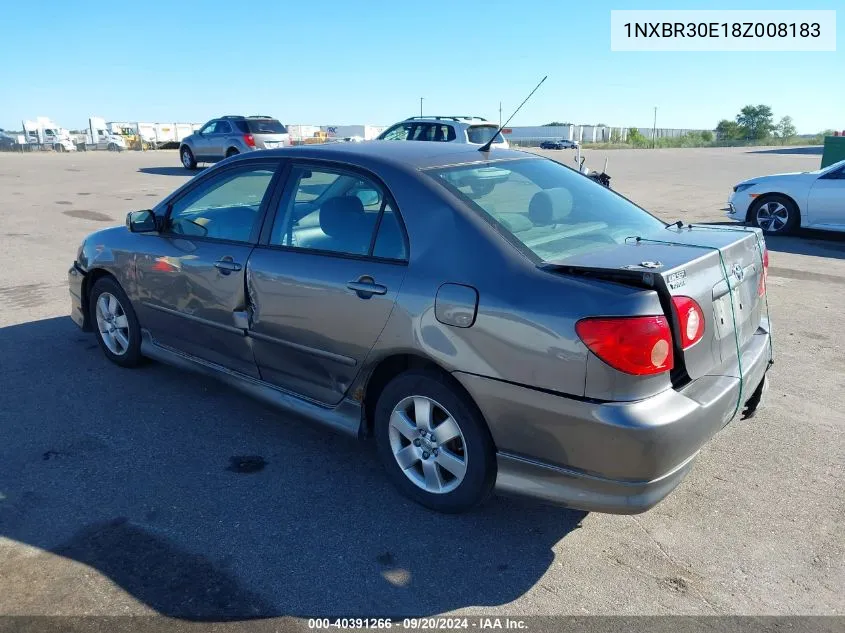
(636, 138)
(756, 121)
(555, 124)
(728, 130)
(707, 136)
(785, 129)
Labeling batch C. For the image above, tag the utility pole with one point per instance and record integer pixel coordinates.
(654, 130)
(421, 100)
(500, 114)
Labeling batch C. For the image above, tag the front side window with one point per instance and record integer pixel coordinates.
(225, 207)
(209, 128)
(338, 212)
(399, 132)
(551, 210)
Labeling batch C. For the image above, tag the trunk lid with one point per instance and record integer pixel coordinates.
(686, 262)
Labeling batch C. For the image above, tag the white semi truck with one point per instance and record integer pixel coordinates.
(100, 136)
(44, 134)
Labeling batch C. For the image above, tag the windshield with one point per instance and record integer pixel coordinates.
(482, 133)
(265, 126)
(550, 210)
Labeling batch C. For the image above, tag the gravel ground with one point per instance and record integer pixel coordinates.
(117, 494)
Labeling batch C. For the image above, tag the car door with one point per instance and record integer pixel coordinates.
(191, 276)
(202, 141)
(826, 202)
(218, 141)
(324, 279)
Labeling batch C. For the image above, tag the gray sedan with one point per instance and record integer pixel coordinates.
(543, 335)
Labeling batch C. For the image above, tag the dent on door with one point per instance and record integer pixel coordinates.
(313, 318)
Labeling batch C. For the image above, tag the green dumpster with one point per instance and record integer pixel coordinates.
(834, 150)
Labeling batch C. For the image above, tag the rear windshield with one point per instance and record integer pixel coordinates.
(482, 133)
(265, 126)
(551, 210)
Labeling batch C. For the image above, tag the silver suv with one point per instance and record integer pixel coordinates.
(230, 135)
(472, 130)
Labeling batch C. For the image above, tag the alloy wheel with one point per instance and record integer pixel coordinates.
(112, 324)
(428, 444)
(186, 158)
(772, 216)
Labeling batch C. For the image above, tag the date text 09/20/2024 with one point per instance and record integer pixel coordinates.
(413, 624)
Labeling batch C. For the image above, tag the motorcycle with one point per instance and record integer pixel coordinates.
(602, 178)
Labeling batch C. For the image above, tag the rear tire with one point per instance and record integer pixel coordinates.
(775, 214)
(187, 158)
(115, 323)
(448, 458)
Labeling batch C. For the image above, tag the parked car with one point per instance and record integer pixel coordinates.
(559, 144)
(519, 339)
(231, 135)
(782, 203)
(468, 130)
(7, 141)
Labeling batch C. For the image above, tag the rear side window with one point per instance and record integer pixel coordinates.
(265, 126)
(223, 127)
(482, 133)
(350, 215)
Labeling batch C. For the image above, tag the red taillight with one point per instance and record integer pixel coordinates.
(249, 139)
(691, 320)
(635, 345)
(761, 285)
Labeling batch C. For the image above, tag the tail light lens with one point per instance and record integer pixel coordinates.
(634, 345)
(761, 285)
(691, 320)
(249, 139)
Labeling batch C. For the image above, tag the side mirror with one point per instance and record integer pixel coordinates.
(141, 221)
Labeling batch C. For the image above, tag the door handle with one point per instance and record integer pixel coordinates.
(366, 287)
(227, 265)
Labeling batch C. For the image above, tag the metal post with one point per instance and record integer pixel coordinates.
(500, 114)
(654, 130)
(421, 100)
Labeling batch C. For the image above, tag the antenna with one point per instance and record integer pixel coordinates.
(486, 146)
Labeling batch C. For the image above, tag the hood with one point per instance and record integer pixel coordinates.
(790, 174)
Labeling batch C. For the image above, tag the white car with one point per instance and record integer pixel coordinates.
(472, 130)
(781, 203)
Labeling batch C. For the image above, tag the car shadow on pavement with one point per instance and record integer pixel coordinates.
(804, 242)
(170, 171)
(202, 504)
(811, 150)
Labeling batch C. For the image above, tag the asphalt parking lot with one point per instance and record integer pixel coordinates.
(119, 494)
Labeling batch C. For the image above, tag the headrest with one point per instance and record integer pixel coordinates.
(341, 215)
(550, 206)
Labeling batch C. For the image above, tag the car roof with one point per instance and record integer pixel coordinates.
(413, 154)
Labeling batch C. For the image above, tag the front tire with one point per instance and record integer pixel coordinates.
(434, 443)
(775, 214)
(187, 157)
(116, 325)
